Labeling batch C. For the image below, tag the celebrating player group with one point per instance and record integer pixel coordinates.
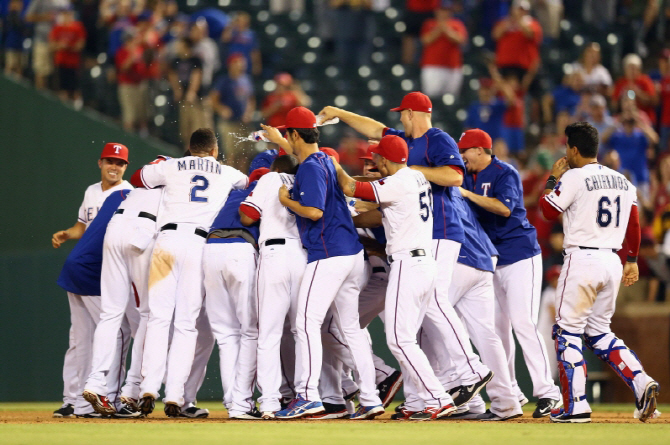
(284, 270)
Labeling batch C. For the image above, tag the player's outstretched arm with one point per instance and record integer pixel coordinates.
(368, 127)
(275, 137)
(489, 204)
(444, 175)
(74, 232)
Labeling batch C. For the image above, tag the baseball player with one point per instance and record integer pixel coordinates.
(112, 163)
(494, 189)
(599, 210)
(281, 267)
(435, 154)
(195, 188)
(80, 277)
(229, 262)
(127, 254)
(402, 195)
(333, 275)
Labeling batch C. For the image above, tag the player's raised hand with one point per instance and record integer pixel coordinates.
(59, 238)
(630, 274)
(329, 113)
(561, 166)
(273, 134)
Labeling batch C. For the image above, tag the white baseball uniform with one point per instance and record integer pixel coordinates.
(281, 267)
(125, 274)
(596, 203)
(195, 189)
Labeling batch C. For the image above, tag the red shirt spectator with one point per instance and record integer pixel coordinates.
(421, 5)
(286, 96)
(351, 149)
(514, 115)
(665, 101)
(443, 51)
(518, 39)
(130, 66)
(69, 38)
(642, 83)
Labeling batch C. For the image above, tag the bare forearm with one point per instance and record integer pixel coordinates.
(444, 175)
(306, 212)
(492, 205)
(366, 126)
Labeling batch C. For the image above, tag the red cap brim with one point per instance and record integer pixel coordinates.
(397, 109)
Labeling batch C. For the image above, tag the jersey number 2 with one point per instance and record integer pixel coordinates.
(425, 207)
(200, 185)
(604, 217)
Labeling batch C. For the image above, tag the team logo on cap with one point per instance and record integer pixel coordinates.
(403, 159)
(430, 109)
(117, 149)
(462, 134)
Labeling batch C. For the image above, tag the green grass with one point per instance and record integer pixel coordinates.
(341, 432)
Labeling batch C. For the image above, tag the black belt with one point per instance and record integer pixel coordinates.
(173, 226)
(594, 248)
(378, 269)
(146, 215)
(272, 242)
(412, 253)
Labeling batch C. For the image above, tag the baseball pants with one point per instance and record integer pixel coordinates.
(70, 380)
(230, 284)
(280, 272)
(332, 283)
(175, 289)
(517, 289)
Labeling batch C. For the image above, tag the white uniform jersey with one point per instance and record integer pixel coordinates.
(276, 220)
(596, 203)
(94, 198)
(142, 200)
(406, 204)
(195, 188)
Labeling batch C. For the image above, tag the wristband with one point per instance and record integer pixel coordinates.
(551, 182)
(631, 259)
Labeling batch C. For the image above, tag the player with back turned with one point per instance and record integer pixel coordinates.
(599, 207)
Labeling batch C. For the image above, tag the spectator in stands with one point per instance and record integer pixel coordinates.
(598, 115)
(89, 14)
(239, 38)
(117, 15)
(351, 149)
(234, 103)
(487, 113)
(131, 76)
(514, 119)
(14, 30)
(67, 39)
(442, 59)
(549, 14)
(631, 138)
(43, 14)
(596, 77)
(638, 86)
(518, 38)
(664, 92)
(660, 186)
(600, 13)
(565, 98)
(185, 75)
(352, 20)
(287, 95)
(416, 12)
(207, 50)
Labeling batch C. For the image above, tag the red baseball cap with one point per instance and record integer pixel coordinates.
(368, 153)
(284, 79)
(115, 150)
(331, 152)
(415, 101)
(300, 117)
(235, 56)
(394, 148)
(258, 173)
(475, 138)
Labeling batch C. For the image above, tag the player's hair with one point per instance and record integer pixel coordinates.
(488, 151)
(285, 164)
(203, 140)
(309, 135)
(584, 136)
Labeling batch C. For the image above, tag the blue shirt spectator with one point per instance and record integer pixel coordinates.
(631, 144)
(238, 37)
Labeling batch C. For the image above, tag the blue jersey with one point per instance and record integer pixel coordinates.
(229, 215)
(435, 149)
(514, 237)
(477, 249)
(263, 159)
(81, 271)
(334, 233)
(487, 116)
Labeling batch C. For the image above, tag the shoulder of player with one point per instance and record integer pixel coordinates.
(438, 134)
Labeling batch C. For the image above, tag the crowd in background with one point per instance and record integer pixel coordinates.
(212, 59)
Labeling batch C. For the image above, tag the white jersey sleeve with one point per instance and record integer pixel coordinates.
(276, 220)
(154, 175)
(94, 197)
(241, 181)
(565, 192)
(389, 189)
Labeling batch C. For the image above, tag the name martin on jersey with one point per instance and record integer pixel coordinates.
(199, 164)
(599, 182)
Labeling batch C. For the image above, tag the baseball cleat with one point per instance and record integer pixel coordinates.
(400, 407)
(194, 412)
(433, 412)
(389, 388)
(647, 406)
(300, 407)
(403, 414)
(147, 404)
(133, 403)
(92, 415)
(268, 415)
(66, 411)
(655, 415)
(127, 412)
(489, 416)
(561, 417)
(254, 414)
(523, 400)
(367, 412)
(332, 411)
(172, 409)
(545, 406)
(466, 393)
(465, 415)
(99, 403)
